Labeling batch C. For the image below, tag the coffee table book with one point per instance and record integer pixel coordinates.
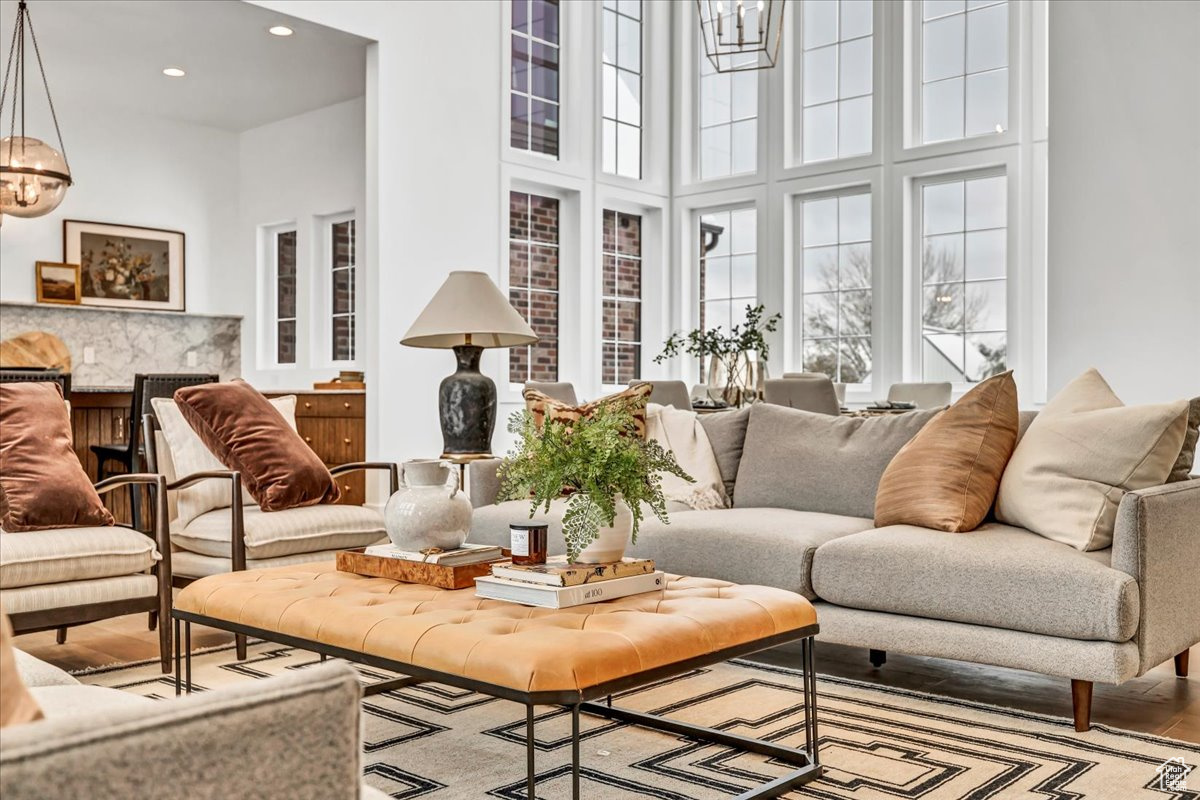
(398, 569)
(467, 554)
(532, 594)
(558, 571)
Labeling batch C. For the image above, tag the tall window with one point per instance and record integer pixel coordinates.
(622, 68)
(964, 47)
(964, 270)
(533, 283)
(622, 298)
(728, 267)
(728, 121)
(535, 59)
(836, 263)
(285, 297)
(342, 261)
(837, 43)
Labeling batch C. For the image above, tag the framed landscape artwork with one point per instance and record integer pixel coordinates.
(58, 283)
(124, 266)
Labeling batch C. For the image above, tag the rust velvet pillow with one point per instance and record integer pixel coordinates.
(248, 434)
(42, 483)
(947, 475)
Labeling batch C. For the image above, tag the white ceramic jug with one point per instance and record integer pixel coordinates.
(428, 510)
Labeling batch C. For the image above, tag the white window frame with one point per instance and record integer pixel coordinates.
(322, 289)
(889, 170)
(268, 352)
(603, 11)
(1021, 20)
(654, 290)
(862, 182)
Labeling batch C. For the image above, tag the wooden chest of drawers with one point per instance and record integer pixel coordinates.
(334, 425)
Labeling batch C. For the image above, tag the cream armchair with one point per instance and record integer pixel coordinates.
(55, 579)
(239, 535)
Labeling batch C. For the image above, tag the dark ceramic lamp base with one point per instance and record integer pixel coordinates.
(467, 406)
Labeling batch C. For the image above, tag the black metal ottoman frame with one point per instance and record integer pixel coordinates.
(805, 761)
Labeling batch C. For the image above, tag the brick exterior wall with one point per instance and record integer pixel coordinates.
(533, 283)
(342, 258)
(285, 297)
(621, 313)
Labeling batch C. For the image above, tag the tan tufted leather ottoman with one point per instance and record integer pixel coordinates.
(530, 655)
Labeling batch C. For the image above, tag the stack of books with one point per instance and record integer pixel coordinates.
(558, 584)
(463, 556)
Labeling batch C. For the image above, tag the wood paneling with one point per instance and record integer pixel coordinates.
(334, 425)
(100, 418)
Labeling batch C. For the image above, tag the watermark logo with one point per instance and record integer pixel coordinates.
(1172, 775)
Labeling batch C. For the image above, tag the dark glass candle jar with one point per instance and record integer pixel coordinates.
(529, 543)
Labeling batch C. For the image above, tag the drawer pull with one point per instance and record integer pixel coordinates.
(308, 439)
(307, 404)
(346, 405)
(345, 488)
(345, 441)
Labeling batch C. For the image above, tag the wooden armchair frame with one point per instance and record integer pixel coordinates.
(237, 554)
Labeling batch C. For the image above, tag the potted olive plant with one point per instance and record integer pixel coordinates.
(737, 358)
(608, 472)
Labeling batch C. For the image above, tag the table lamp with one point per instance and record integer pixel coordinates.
(466, 315)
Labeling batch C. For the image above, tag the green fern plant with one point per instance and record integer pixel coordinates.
(597, 461)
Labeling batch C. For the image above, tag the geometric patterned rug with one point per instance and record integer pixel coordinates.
(877, 743)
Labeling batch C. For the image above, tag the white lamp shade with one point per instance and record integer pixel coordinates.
(469, 306)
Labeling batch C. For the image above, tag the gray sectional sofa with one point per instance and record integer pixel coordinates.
(801, 520)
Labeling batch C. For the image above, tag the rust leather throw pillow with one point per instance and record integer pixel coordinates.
(946, 477)
(42, 483)
(544, 407)
(246, 433)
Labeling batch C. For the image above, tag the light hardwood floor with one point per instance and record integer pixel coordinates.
(1157, 702)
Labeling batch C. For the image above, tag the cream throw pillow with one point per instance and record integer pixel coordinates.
(1080, 456)
(188, 455)
(680, 432)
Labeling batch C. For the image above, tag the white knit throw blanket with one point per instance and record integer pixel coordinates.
(681, 433)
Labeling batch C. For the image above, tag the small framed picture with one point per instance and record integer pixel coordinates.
(58, 283)
(125, 266)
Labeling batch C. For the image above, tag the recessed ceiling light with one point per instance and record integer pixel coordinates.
(280, 30)
(174, 72)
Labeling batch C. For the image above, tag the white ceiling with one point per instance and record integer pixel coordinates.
(238, 75)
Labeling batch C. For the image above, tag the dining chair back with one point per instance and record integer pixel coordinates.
(668, 393)
(12, 375)
(561, 391)
(925, 395)
(813, 392)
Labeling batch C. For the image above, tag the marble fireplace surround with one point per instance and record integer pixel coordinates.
(129, 341)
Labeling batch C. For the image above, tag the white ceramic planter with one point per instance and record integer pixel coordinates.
(428, 510)
(610, 544)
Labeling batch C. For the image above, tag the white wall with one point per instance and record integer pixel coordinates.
(1124, 196)
(134, 170)
(296, 170)
(433, 182)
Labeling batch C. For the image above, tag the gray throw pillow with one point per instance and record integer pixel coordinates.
(1187, 456)
(726, 431)
(817, 462)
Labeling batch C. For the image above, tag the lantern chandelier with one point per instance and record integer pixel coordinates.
(33, 175)
(741, 35)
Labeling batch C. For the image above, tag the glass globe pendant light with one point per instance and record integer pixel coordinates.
(33, 175)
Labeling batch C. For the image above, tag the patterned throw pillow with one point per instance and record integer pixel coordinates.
(947, 475)
(543, 407)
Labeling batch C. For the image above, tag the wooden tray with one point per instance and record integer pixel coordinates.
(398, 569)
